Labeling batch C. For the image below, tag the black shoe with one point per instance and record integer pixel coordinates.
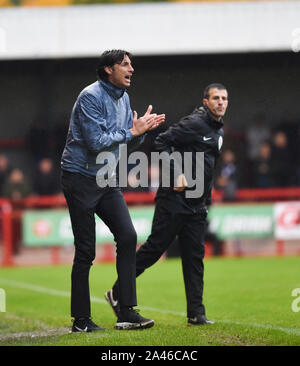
(199, 320)
(84, 325)
(131, 319)
(112, 302)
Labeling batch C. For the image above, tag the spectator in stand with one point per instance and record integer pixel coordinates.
(257, 132)
(281, 161)
(262, 174)
(289, 125)
(4, 171)
(16, 186)
(46, 179)
(227, 179)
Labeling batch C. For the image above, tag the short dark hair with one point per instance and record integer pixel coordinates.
(211, 86)
(110, 58)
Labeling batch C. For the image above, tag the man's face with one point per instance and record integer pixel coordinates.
(217, 102)
(120, 74)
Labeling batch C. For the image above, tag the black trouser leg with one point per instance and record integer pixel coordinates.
(85, 198)
(191, 241)
(114, 213)
(190, 230)
(163, 233)
(81, 201)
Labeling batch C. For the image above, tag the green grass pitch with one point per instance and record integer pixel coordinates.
(250, 300)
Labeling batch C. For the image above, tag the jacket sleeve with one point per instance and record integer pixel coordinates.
(181, 134)
(93, 126)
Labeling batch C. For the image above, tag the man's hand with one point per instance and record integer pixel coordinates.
(181, 183)
(146, 123)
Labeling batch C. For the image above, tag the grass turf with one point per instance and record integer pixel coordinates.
(249, 298)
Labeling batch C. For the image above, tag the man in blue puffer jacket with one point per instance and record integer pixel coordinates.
(101, 120)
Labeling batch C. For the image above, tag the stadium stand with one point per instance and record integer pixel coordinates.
(260, 166)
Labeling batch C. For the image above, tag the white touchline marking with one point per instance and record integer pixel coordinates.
(34, 334)
(54, 292)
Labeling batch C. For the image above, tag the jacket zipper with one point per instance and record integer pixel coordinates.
(118, 117)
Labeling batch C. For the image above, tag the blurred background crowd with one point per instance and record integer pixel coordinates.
(259, 157)
(40, 83)
(264, 157)
(49, 52)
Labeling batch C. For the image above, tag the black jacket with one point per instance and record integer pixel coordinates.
(197, 132)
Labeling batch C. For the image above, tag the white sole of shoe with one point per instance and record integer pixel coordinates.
(128, 326)
(207, 322)
(110, 303)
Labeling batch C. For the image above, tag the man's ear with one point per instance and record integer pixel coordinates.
(108, 69)
(204, 102)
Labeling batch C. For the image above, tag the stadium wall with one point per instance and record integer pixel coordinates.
(39, 231)
(149, 28)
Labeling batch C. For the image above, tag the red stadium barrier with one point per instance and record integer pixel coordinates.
(245, 194)
(6, 216)
(261, 194)
(12, 210)
(265, 194)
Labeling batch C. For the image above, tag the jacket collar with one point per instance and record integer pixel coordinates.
(205, 112)
(112, 90)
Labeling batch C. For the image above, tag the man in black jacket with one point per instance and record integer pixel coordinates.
(177, 214)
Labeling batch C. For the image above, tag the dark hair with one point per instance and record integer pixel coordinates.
(211, 86)
(110, 58)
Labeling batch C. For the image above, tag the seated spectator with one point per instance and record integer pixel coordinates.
(16, 186)
(262, 174)
(227, 180)
(288, 124)
(281, 161)
(4, 171)
(46, 181)
(257, 132)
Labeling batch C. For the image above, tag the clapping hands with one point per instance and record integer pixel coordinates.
(148, 122)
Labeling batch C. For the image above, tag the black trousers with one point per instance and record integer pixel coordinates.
(85, 199)
(190, 229)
